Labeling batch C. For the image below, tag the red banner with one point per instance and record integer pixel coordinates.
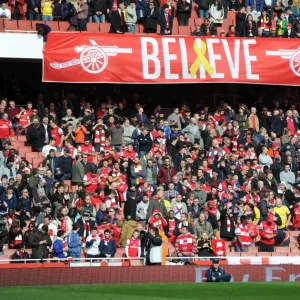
(113, 58)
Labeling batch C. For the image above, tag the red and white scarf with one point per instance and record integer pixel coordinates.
(86, 230)
(235, 143)
(100, 137)
(138, 169)
(228, 223)
(63, 225)
(115, 173)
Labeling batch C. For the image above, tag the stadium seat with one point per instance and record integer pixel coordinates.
(219, 30)
(184, 30)
(233, 254)
(37, 161)
(295, 249)
(194, 14)
(246, 254)
(280, 253)
(175, 22)
(140, 28)
(226, 24)
(24, 150)
(21, 138)
(104, 27)
(18, 144)
(53, 25)
(158, 29)
(24, 25)
(63, 26)
(10, 25)
(93, 27)
(231, 15)
(191, 23)
(294, 253)
(282, 249)
(294, 233)
(261, 254)
(199, 21)
(33, 23)
(1, 24)
(253, 249)
(273, 23)
(30, 156)
(175, 30)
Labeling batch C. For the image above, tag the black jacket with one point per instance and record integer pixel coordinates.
(182, 13)
(204, 4)
(40, 251)
(250, 32)
(212, 29)
(145, 142)
(240, 21)
(36, 136)
(99, 5)
(151, 19)
(115, 26)
(130, 208)
(276, 125)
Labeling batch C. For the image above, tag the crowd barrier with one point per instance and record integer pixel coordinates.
(100, 272)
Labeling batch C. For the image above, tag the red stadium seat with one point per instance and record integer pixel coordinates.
(158, 29)
(140, 28)
(93, 27)
(184, 30)
(10, 25)
(1, 24)
(104, 27)
(219, 30)
(253, 249)
(18, 144)
(175, 22)
(237, 254)
(24, 25)
(231, 16)
(280, 253)
(33, 23)
(282, 249)
(24, 150)
(63, 26)
(191, 23)
(274, 23)
(226, 24)
(21, 138)
(68, 183)
(30, 156)
(194, 14)
(245, 254)
(199, 21)
(294, 253)
(53, 25)
(262, 254)
(295, 249)
(37, 162)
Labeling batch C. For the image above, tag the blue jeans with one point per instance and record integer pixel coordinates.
(239, 249)
(203, 13)
(131, 28)
(47, 18)
(33, 16)
(99, 18)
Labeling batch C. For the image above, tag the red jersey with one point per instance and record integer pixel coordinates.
(5, 129)
(296, 218)
(91, 188)
(130, 154)
(186, 244)
(243, 233)
(267, 229)
(254, 233)
(57, 133)
(133, 247)
(218, 247)
(89, 149)
(24, 120)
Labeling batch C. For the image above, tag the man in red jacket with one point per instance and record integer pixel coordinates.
(296, 218)
(186, 244)
(267, 232)
(17, 10)
(166, 172)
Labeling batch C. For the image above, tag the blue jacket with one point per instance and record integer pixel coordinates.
(99, 216)
(64, 9)
(259, 4)
(12, 204)
(58, 249)
(141, 7)
(110, 248)
(216, 273)
(74, 244)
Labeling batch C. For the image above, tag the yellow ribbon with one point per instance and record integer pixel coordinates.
(200, 60)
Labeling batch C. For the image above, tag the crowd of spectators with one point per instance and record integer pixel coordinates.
(118, 176)
(252, 18)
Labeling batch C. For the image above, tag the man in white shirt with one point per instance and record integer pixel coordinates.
(52, 228)
(4, 12)
(92, 244)
(46, 149)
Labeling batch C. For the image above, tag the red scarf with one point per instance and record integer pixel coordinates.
(228, 223)
(63, 225)
(100, 137)
(86, 230)
(115, 173)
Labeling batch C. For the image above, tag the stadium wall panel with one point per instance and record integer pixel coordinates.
(46, 275)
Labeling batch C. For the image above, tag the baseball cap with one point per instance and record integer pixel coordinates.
(215, 261)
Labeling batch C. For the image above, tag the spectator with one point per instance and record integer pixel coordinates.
(217, 12)
(117, 20)
(243, 236)
(166, 21)
(197, 31)
(218, 245)
(240, 21)
(33, 10)
(107, 246)
(281, 24)
(5, 13)
(131, 17)
(78, 172)
(99, 9)
(127, 230)
(47, 10)
(203, 226)
(183, 12)
(60, 10)
(186, 244)
(289, 31)
(234, 5)
(203, 8)
(151, 17)
(133, 246)
(288, 177)
(264, 23)
(250, 30)
(93, 244)
(40, 243)
(267, 232)
(60, 248)
(231, 31)
(153, 247)
(284, 214)
(82, 15)
(74, 243)
(17, 10)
